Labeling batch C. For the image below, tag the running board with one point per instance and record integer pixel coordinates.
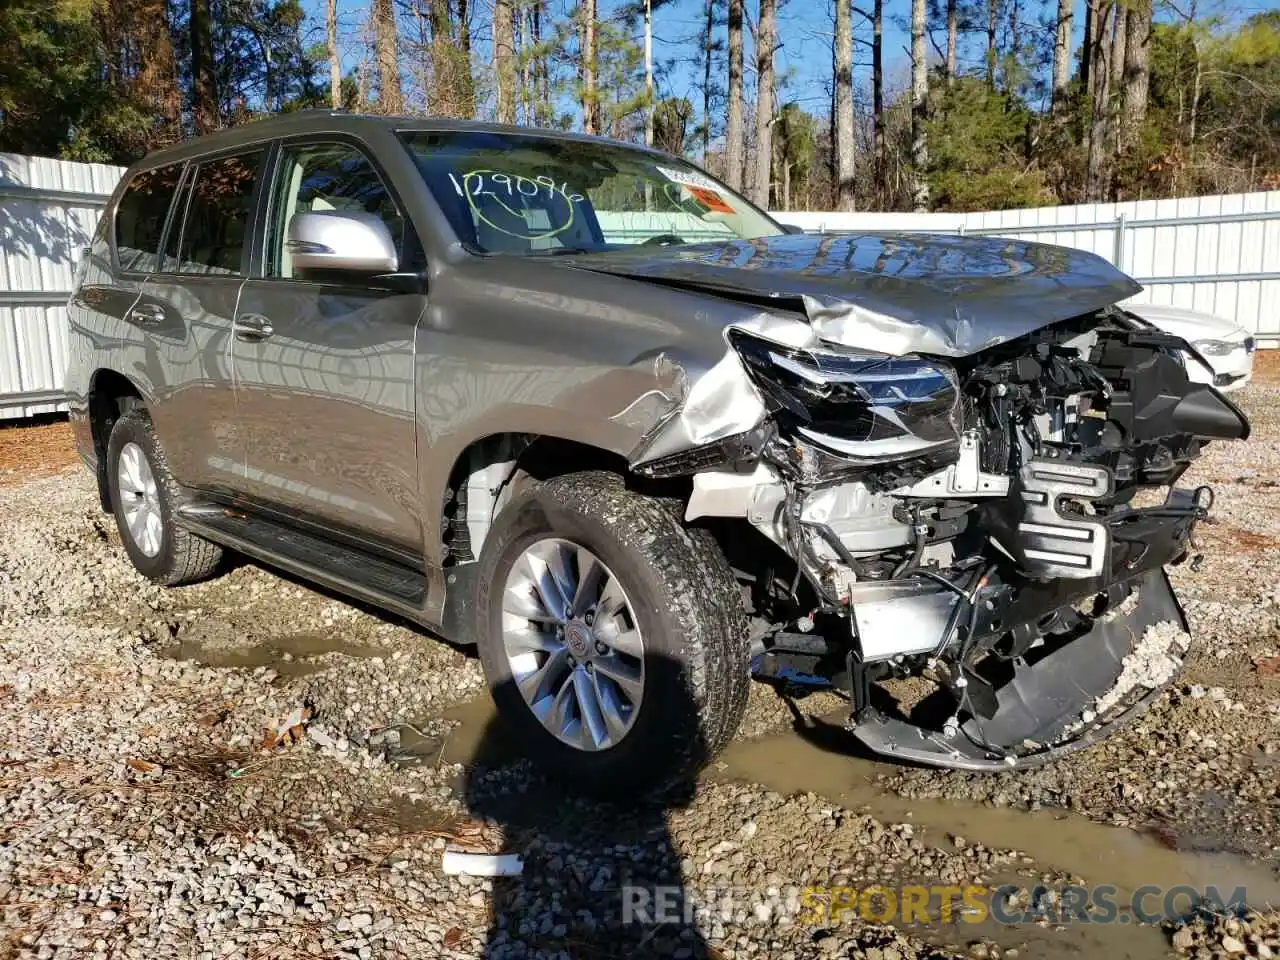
(338, 566)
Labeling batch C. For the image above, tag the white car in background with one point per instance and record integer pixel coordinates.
(1224, 346)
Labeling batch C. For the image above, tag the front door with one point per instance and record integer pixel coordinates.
(324, 365)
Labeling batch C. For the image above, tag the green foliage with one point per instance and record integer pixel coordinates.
(978, 141)
(795, 144)
(620, 79)
(53, 101)
(96, 81)
(1213, 124)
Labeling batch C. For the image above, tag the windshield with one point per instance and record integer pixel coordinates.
(532, 195)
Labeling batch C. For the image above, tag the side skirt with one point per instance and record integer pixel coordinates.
(346, 569)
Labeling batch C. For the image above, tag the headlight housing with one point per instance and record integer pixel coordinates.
(1215, 348)
(841, 397)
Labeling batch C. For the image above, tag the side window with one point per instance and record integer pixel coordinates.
(215, 230)
(332, 176)
(141, 214)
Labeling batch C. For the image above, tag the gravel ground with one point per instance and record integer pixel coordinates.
(250, 768)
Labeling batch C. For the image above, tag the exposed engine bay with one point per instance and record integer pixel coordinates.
(974, 521)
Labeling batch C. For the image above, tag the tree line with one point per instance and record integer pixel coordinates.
(987, 104)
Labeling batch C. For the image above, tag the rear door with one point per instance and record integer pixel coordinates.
(324, 365)
(111, 285)
(187, 306)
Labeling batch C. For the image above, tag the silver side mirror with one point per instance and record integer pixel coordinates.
(356, 242)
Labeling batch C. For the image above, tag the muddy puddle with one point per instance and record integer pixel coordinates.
(290, 655)
(825, 761)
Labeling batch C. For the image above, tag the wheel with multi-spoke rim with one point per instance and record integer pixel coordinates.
(144, 497)
(139, 499)
(613, 638)
(573, 645)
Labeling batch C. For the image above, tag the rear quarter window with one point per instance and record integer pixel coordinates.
(141, 214)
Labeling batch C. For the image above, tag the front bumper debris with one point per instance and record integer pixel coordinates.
(1076, 695)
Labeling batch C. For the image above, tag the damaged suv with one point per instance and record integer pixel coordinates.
(579, 404)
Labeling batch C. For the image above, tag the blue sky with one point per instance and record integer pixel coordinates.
(805, 29)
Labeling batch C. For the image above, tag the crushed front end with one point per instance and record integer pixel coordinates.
(974, 547)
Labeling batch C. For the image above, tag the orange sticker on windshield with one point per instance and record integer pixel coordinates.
(710, 199)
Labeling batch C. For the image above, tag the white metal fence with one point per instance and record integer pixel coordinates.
(48, 211)
(1216, 254)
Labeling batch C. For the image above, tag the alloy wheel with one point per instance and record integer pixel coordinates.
(573, 644)
(140, 499)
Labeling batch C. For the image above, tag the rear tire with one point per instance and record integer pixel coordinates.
(144, 499)
(682, 601)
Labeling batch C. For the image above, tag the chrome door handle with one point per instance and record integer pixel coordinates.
(252, 327)
(147, 315)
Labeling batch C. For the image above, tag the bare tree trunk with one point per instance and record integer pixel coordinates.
(648, 73)
(1099, 130)
(362, 70)
(1118, 33)
(1062, 53)
(205, 114)
(877, 96)
(708, 47)
(953, 39)
(1137, 73)
(843, 105)
(590, 106)
(1086, 51)
(390, 98)
(1015, 40)
(504, 56)
(443, 99)
(526, 68)
(764, 104)
(735, 129)
(335, 66)
(541, 73)
(1195, 95)
(464, 83)
(993, 21)
(919, 109)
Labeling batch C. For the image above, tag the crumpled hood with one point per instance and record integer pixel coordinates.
(892, 293)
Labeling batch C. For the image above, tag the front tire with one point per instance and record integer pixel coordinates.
(613, 639)
(144, 499)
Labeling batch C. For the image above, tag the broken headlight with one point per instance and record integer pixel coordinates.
(1215, 348)
(846, 399)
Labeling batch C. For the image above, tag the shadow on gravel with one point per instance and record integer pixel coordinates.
(601, 879)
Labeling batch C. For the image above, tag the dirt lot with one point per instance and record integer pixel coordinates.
(159, 798)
